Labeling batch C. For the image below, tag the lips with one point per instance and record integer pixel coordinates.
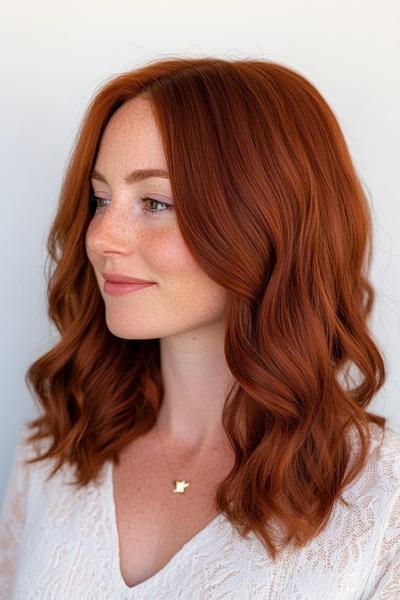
(119, 289)
(120, 278)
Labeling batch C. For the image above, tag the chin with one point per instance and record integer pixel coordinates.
(132, 333)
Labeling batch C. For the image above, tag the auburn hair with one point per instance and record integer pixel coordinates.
(278, 216)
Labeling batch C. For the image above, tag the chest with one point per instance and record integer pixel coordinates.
(153, 523)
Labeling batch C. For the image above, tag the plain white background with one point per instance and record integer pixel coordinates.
(53, 57)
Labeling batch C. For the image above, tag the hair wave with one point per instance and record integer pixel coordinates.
(277, 215)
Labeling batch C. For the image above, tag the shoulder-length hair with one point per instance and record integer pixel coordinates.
(277, 215)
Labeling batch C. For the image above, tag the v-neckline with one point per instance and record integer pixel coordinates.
(114, 548)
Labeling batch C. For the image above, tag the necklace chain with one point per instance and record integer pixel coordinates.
(179, 485)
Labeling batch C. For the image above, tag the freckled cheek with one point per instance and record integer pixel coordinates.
(168, 255)
(186, 287)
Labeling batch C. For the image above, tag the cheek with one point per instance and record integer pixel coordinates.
(167, 253)
(185, 287)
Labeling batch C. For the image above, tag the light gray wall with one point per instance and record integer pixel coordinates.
(53, 56)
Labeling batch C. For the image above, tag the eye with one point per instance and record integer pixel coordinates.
(151, 210)
(93, 203)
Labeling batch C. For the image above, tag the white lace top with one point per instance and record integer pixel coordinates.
(60, 543)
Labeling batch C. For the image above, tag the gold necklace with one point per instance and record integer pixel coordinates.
(179, 485)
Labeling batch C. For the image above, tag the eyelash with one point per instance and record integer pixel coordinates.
(93, 204)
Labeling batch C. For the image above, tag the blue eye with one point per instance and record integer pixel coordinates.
(93, 203)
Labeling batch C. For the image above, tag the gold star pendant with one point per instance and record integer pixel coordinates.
(180, 486)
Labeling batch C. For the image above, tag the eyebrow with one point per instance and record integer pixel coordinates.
(136, 175)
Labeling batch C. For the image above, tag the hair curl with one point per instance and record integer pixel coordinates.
(277, 215)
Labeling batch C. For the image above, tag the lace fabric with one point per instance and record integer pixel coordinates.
(57, 542)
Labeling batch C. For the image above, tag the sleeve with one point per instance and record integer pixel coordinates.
(12, 519)
(387, 577)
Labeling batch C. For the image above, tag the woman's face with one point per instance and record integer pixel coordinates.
(125, 237)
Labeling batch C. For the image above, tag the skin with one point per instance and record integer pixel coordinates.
(185, 309)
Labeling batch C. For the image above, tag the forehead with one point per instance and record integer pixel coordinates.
(131, 138)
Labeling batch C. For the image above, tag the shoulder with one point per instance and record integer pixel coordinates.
(385, 454)
(27, 449)
(381, 473)
(30, 474)
(383, 488)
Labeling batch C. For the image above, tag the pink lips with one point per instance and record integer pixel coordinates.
(118, 289)
(120, 278)
(117, 284)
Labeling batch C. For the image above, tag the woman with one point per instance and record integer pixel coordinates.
(199, 435)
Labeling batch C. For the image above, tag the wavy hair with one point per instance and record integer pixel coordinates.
(278, 216)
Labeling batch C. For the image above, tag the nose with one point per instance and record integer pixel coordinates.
(112, 231)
